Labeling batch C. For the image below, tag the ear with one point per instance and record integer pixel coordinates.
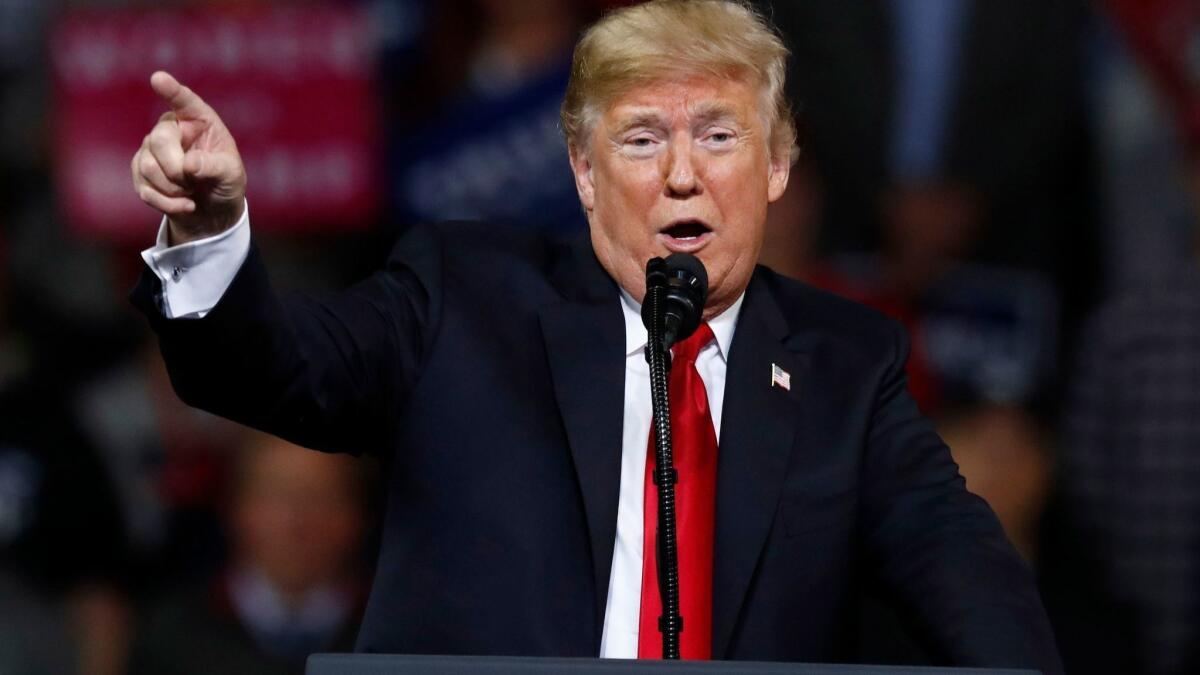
(581, 166)
(777, 173)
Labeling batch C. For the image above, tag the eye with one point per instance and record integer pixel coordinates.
(719, 138)
(642, 144)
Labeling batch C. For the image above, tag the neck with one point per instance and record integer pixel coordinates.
(713, 310)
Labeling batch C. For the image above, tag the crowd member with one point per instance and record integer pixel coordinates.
(916, 222)
(1129, 467)
(61, 535)
(1162, 33)
(1131, 454)
(34, 633)
(509, 525)
(169, 464)
(484, 143)
(968, 113)
(987, 334)
(292, 585)
(1142, 163)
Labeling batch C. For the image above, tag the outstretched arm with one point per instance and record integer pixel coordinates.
(327, 373)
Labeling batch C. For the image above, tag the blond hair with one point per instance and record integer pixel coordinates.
(670, 38)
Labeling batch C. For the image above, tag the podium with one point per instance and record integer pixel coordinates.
(384, 664)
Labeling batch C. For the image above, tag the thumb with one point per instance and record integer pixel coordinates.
(219, 167)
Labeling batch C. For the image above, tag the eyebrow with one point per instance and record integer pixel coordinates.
(704, 113)
(645, 118)
(713, 111)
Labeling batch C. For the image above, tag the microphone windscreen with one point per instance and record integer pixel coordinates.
(691, 264)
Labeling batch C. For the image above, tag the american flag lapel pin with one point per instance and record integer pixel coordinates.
(780, 378)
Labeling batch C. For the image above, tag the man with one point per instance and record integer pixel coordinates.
(971, 110)
(501, 377)
(1131, 481)
(290, 587)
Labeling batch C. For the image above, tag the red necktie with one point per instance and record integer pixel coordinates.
(694, 444)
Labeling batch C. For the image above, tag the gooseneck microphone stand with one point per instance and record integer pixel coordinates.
(675, 294)
(670, 624)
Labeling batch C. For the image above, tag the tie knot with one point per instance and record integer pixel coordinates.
(690, 348)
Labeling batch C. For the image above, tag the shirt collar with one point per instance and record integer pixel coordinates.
(722, 325)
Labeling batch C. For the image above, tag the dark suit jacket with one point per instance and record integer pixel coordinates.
(486, 366)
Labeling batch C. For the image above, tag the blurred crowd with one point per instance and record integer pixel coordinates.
(1017, 181)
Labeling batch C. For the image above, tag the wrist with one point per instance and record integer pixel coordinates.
(182, 230)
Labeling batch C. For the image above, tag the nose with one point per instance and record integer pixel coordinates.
(681, 179)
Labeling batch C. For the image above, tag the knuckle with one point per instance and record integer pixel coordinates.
(147, 167)
(161, 134)
(171, 168)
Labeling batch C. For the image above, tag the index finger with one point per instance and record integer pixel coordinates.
(182, 100)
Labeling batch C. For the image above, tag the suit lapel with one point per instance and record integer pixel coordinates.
(585, 344)
(585, 341)
(757, 429)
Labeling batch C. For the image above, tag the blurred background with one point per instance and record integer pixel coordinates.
(1015, 180)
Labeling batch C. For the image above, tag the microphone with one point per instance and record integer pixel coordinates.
(675, 292)
(686, 283)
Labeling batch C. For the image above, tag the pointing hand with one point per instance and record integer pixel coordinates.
(188, 166)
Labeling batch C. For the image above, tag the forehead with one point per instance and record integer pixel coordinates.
(686, 99)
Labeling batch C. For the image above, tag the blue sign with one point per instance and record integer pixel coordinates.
(495, 156)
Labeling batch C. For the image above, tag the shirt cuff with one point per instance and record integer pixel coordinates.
(195, 275)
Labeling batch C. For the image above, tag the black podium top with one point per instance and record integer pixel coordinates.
(381, 664)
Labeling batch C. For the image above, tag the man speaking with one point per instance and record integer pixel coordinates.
(501, 378)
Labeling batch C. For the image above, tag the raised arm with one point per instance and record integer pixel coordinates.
(327, 373)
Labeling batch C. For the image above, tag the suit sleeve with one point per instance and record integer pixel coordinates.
(328, 372)
(937, 550)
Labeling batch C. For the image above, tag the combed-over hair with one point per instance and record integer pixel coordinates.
(660, 39)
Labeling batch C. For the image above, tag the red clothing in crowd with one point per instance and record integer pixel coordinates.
(1165, 34)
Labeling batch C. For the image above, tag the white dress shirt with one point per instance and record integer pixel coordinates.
(195, 276)
(622, 610)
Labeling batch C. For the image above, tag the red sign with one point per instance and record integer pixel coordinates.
(294, 85)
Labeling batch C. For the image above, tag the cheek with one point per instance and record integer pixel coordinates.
(625, 206)
(743, 207)
(620, 180)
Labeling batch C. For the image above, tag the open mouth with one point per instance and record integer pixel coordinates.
(685, 236)
(687, 229)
